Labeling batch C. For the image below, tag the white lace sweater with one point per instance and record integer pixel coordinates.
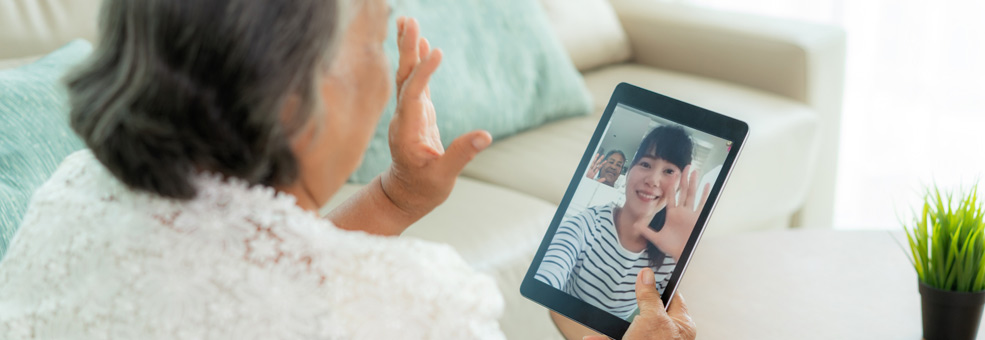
(95, 260)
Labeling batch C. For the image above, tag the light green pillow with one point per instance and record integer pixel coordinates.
(34, 131)
(503, 71)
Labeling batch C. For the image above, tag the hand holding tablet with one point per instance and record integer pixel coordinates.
(602, 237)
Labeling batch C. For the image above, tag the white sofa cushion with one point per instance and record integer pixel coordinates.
(539, 162)
(766, 187)
(589, 30)
(497, 231)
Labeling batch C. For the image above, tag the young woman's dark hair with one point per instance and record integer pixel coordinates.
(670, 143)
(667, 142)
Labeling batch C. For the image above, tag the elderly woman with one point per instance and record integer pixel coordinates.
(215, 130)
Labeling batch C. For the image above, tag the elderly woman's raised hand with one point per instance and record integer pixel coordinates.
(596, 165)
(423, 171)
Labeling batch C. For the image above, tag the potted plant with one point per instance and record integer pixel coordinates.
(947, 242)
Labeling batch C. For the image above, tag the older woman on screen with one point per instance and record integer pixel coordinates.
(606, 170)
(215, 130)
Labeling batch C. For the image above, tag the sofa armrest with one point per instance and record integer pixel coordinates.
(797, 60)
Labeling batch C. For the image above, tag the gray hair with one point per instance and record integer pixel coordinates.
(176, 86)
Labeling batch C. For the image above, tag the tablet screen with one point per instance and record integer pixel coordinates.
(631, 209)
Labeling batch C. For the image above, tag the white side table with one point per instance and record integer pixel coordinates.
(804, 284)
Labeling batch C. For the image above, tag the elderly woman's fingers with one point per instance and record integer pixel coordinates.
(419, 77)
(462, 150)
(423, 50)
(647, 296)
(593, 168)
(678, 312)
(409, 34)
(678, 307)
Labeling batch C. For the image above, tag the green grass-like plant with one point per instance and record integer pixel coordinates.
(947, 241)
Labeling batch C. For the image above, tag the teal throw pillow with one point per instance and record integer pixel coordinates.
(34, 132)
(503, 71)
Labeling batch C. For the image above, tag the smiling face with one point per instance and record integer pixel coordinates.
(611, 168)
(656, 169)
(646, 184)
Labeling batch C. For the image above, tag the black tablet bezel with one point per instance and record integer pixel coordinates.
(664, 107)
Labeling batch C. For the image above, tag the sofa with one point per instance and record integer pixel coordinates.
(784, 78)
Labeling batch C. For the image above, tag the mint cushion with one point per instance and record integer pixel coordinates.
(503, 71)
(34, 131)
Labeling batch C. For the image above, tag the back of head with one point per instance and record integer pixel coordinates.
(177, 86)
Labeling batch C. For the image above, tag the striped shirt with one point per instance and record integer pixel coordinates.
(586, 260)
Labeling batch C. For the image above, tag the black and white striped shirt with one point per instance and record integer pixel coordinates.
(586, 260)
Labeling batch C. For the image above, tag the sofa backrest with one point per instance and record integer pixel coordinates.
(589, 30)
(35, 27)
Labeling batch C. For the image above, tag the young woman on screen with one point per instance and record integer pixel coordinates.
(596, 255)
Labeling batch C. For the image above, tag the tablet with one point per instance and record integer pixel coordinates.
(640, 197)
